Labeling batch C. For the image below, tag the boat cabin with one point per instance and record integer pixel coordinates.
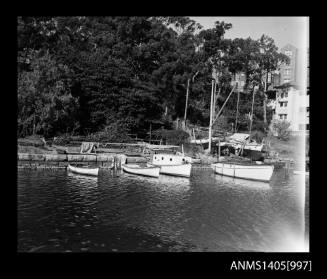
(168, 159)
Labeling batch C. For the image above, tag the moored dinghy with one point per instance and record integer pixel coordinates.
(170, 164)
(151, 171)
(86, 170)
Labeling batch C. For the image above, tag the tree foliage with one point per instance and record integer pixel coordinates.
(83, 75)
(281, 127)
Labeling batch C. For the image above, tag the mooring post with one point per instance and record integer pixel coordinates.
(287, 166)
(115, 162)
(218, 150)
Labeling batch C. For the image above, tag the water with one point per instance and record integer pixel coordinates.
(63, 212)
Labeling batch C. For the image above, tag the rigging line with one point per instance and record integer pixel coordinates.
(224, 105)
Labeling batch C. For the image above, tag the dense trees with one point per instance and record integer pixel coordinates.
(85, 74)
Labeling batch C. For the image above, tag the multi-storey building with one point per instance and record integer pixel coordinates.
(288, 71)
(292, 99)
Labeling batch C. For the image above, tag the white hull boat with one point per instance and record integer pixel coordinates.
(170, 164)
(83, 170)
(257, 172)
(175, 170)
(151, 171)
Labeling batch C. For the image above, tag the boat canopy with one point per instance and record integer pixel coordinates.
(238, 137)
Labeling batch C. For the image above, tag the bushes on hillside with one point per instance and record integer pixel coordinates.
(33, 140)
(174, 137)
(258, 136)
(114, 132)
(281, 129)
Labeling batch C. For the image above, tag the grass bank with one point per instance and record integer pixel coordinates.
(293, 148)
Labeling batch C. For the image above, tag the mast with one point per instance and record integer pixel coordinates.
(251, 119)
(187, 93)
(238, 99)
(211, 113)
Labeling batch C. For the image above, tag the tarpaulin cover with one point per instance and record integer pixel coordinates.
(89, 147)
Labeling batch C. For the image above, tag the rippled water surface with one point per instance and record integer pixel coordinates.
(63, 212)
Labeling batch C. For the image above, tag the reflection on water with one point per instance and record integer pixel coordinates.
(235, 182)
(116, 211)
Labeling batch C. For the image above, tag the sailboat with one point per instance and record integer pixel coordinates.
(239, 167)
(252, 170)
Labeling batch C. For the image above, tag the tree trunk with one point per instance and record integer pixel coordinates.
(265, 101)
(251, 119)
(34, 124)
(265, 109)
(211, 116)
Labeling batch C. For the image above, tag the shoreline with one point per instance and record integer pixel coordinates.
(61, 161)
(48, 157)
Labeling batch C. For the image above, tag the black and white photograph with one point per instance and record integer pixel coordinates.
(163, 134)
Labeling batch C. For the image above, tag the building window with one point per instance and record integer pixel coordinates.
(283, 116)
(286, 94)
(308, 127)
(283, 104)
(308, 109)
(287, 72)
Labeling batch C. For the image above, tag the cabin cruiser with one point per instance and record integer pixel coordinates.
(172, 164)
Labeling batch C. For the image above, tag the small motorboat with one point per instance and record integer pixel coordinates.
(80, 169)
(170, 164)
(151, 171)
(246, 170)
